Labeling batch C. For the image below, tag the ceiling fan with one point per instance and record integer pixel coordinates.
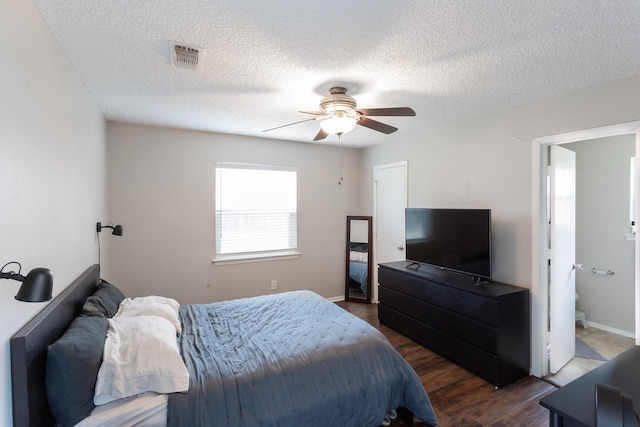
(339, 114)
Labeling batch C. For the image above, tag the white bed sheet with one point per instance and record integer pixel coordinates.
(145, 410)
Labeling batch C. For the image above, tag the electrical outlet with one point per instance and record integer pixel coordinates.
(274, 284)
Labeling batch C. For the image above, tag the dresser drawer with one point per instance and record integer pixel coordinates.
(466, 329)
(402, 283)
(482, 363)
(481, 308)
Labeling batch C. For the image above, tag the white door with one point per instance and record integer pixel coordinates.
(562, 286)
(390, 201)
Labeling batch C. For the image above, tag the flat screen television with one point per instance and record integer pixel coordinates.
(452, 239)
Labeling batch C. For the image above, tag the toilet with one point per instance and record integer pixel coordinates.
(580, 316)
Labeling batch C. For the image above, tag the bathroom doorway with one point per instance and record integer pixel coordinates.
(605, 290)
(540, 284)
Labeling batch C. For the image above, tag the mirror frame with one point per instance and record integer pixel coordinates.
(369, 242)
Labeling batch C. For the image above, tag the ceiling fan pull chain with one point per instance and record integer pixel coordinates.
(340, 156)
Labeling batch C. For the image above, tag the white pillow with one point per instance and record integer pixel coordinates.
(152, 306)
(358, 256)
(140, 354)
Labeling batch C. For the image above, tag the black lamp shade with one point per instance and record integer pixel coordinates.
(37, 286)
(117, 230)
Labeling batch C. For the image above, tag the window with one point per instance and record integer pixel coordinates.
(256, 212)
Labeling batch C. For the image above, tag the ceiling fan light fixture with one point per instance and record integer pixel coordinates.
(338, 124)
(338, 114)
(338, 101)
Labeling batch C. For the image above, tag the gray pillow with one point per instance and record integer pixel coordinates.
(104, 301)
(72, 368)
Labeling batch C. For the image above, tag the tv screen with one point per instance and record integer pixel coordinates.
(452, 239)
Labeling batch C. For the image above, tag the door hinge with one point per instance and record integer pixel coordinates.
(547, 344)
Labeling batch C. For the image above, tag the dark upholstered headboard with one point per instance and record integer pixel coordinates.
(29, 350)
(359, 246)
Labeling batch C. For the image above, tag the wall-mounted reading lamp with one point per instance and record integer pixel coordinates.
(117, 229)
(36, 286)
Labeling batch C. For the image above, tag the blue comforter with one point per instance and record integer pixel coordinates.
(359, 271)
(291, 359)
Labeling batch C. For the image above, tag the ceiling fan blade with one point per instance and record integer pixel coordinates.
(321, 135)
(315, 113)
(372, 124)
(393, 111)
(294, 123)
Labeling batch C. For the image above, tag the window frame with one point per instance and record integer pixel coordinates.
(252, 256)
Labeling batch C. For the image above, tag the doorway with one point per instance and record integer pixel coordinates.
(540, 289)
(389, 203)
(604, 277)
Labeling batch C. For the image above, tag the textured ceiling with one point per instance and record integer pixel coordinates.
(264, 60)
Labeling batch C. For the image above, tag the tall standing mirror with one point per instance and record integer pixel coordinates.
(359, 256)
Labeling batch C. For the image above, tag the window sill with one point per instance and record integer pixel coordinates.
(247, 258)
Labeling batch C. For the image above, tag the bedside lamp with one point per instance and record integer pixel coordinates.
(37, 286)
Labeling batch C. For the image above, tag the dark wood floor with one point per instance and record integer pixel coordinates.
(460, 398)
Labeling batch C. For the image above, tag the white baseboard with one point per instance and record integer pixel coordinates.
(612, 330)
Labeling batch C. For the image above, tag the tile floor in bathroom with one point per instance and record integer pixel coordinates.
(606, 343)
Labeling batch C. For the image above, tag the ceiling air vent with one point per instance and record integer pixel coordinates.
(185, 56)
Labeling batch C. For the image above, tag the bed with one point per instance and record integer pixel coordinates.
(276, 360)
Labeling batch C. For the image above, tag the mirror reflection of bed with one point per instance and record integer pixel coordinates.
(359, 257)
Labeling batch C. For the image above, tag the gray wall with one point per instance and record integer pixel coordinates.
(162, 185)
(52, 169)
(602, 219)
(488, 162)
(472, 166)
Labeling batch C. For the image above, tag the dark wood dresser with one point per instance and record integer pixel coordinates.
(484, 328)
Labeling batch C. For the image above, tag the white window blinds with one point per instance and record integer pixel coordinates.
(256, 209)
